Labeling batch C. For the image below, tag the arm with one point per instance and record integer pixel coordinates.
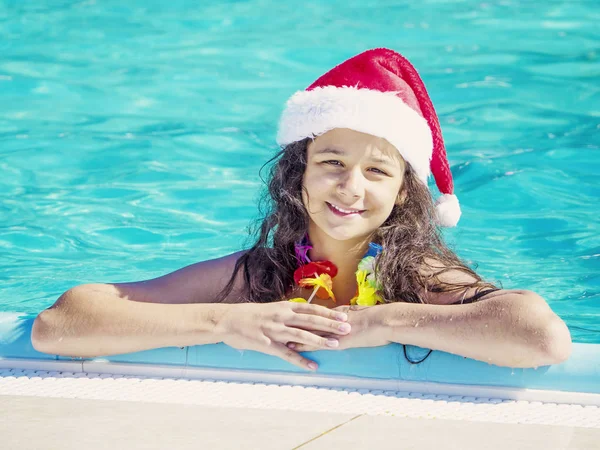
(508, 328)
(512, 328)
(94, 320)
(172, 310)
(115, 325)
(175, 310)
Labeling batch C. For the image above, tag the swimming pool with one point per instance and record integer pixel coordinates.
(132, 136)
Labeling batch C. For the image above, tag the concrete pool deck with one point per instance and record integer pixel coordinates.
(61, 410)
(64, 423)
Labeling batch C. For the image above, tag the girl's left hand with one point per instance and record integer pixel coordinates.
(367, 330)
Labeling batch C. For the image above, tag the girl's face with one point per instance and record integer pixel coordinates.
(351, 183)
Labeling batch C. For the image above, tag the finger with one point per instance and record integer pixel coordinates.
(317, 323)
(306, 337)
(318, 310)
(292, 356)
(303, 347)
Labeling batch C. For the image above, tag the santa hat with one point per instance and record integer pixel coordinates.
(377, 92)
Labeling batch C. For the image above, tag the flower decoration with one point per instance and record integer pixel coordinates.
(367, 289)
(301, 249)
(367, 263)
(323, 286)
(367, 286)
(320, 274)
(314, 269)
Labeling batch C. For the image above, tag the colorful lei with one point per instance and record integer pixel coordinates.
(320, 274)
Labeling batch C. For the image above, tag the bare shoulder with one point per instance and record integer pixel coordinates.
(462, 290)
(197, 283)
(443, 274)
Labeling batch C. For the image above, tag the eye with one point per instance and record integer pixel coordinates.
(379, 171)
(333, 162)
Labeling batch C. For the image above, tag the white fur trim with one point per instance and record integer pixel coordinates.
(382, 114)
(447, 210)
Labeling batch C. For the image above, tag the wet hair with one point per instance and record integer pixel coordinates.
(414, 256)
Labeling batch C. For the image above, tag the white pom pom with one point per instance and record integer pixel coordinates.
(447, 210)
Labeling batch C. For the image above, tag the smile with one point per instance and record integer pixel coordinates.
(344, 212)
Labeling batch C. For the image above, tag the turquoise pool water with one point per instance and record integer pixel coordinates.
(131, 136)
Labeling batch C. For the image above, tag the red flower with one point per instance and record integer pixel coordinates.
(314, 269)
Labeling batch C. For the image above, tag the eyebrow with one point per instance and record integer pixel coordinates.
(335, 151)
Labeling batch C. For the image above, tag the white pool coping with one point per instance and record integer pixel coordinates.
(295, 392)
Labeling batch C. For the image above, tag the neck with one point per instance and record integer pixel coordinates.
(344, 254)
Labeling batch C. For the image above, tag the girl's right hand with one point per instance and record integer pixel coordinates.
(268, 327)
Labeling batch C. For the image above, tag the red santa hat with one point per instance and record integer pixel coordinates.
(377, 92)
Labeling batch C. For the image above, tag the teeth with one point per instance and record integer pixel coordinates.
(343, 210)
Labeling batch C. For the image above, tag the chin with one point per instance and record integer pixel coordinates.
(345, 233)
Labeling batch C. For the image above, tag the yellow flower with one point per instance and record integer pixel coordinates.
(324, 283)
(297, 300)
(367, 293)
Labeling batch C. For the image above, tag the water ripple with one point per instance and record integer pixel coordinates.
(131, 136)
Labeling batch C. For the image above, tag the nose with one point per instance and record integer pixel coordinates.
(352, 183)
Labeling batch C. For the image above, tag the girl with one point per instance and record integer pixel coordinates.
(351, 224)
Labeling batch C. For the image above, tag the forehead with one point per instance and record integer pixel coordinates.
(345, 142)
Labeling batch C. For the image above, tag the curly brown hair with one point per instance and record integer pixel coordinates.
(414, 256)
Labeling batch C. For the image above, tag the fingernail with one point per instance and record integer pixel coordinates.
(341, 316)
(291, 345)
(344, 327)
(312, 366)
(332, 343)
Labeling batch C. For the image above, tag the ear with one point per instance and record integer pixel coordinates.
(401, 198)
